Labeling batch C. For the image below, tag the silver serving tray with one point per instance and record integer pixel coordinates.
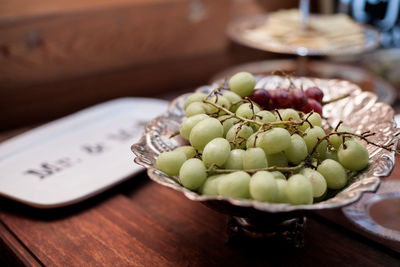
(360, 213)
(360, 111)
(237, 32)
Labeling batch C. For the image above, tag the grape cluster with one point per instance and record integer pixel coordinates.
(240, 147)
(305, 101)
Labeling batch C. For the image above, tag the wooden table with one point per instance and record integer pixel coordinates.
(141, 223)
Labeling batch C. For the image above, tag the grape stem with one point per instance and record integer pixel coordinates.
(330, 127)
(306, 119)
(337, 126)
(323, 103)
(245, 120)
(174, 134)
(252, 108)
(213, 169)
(215, 90)
(279, 114)
(363, 136)
(225, 119)
(287, 76)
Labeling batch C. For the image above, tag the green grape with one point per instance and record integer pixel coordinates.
(277, 159)
(242, 83)
(353, 155)
(255, 127)
(195, 97)
(311, 139)
(193, 174)
(332, 154)
(278, 175)
(242, 135)
(288, 114)
(315, 119)
(281, 190)
(321, 198)
(189, 151)
(334, 174)
(170, 162)
(246, 111)
(235, 184)
(210, 186)
(297, 150)
(221, 101)
(228, 123)
(196, 108)
(250, 141)
(205, 131)
(263, 187)
(254, 158)
(337, 140)
(187, 125)
(265, 116)
(274, 140)
(314, 162)
(216, 152)
(277, 118)
(299, 190)
(317, 181)
(233, 98)
(235, 160)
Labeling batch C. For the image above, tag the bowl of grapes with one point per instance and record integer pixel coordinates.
(268, 150)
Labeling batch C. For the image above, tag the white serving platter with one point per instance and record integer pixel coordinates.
(78, 156)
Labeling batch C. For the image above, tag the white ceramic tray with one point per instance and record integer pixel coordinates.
(75, 157)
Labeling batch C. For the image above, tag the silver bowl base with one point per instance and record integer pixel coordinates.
(288, 232)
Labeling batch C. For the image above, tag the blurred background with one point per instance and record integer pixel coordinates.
(59, 56)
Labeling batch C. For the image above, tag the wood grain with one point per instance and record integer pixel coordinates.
(89, 238)
(62, 46)
(28, 8)
(13, 251)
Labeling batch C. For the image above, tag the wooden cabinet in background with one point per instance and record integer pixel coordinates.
(58, 56)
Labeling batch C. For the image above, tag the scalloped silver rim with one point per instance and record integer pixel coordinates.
(146, 151)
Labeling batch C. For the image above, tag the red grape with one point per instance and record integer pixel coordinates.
(298, 98)
(312, 105)
(262, 97)
(280, 98)
(315, 93)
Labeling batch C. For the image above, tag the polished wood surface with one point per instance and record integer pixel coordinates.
(141, 223)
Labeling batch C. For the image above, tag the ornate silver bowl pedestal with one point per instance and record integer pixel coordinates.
(259, 220)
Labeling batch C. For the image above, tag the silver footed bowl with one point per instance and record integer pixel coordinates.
(360, 111)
